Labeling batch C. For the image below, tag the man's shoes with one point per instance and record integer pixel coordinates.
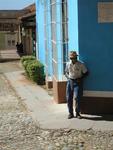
(70, 116)
(78, 116)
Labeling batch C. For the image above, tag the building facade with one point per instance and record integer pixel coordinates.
(28, 30)
(8, 29)
(84, 26)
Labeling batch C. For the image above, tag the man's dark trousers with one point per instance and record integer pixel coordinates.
(73, 91)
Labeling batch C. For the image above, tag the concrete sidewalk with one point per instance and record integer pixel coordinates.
(47, 113)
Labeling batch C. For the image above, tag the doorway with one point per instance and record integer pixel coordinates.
(10, 41)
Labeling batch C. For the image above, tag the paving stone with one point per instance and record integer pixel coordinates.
(18, 131)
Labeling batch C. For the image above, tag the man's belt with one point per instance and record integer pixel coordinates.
(72, 82)
(74, 79)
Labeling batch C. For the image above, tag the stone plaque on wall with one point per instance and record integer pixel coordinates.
(105, 12)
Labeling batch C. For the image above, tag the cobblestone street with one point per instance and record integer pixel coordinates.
(18, 131)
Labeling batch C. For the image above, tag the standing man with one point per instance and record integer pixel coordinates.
(75, 71)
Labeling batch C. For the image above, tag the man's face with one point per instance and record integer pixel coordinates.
(74, 59)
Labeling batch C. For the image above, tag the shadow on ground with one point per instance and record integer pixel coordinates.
(8, 60)
(98, 117)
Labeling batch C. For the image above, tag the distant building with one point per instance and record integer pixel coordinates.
(28, 29)
(8, 29)
(18, 26)
(87, 27)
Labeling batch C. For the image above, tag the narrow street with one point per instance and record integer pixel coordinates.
(18, 131)
(35, 117)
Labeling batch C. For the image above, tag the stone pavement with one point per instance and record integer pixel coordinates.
(47, 113)
(18, 131)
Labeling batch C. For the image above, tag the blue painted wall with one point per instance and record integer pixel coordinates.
(95, 46)
(50, 70)
(40, 31)
(37, 36)
(73, 25)
(58, 40)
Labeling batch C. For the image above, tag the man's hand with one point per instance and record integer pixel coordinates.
(79, 80)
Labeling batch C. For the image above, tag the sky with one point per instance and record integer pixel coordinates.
(14, 4)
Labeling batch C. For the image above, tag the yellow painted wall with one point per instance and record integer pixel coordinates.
(2, 41)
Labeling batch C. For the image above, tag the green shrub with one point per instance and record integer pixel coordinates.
(35, 72)
(27, 58)
(34, 69)
(26, 63)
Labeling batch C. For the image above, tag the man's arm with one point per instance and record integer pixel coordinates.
(85, 74)
(85, 71)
